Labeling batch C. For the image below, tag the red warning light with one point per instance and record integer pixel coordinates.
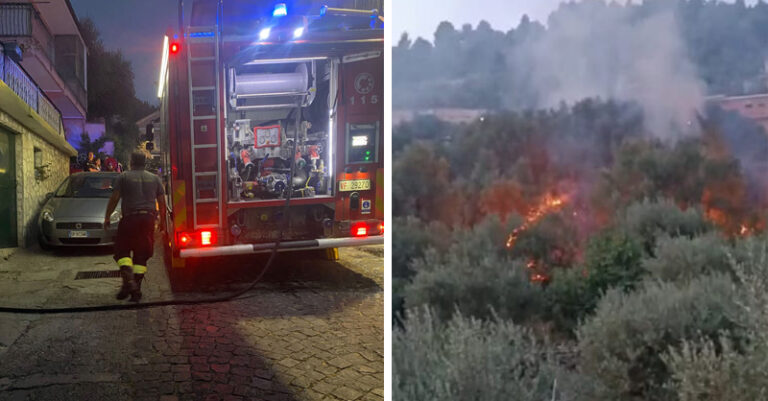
(184, 239)
(174, 48)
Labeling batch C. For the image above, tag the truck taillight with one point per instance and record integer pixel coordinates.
(359, 230)
(381, 228)
(174, 48)
(207, 238)
(195, 239)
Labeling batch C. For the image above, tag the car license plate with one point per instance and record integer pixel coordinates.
(78, 234)
(354, 185)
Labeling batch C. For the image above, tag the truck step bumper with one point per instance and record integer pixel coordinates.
(244, 249)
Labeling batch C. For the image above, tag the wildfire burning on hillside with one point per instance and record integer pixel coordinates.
(728, 199)
(717, 183)
(550, 204)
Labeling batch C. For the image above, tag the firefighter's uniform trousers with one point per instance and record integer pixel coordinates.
(135, 234)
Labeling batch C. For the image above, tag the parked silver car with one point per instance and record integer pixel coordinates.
(73, 215)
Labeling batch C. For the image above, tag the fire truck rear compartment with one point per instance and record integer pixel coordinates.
(264, 126)
(268, 107)
(262, 225)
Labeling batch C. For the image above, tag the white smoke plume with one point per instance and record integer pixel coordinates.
(607, 51)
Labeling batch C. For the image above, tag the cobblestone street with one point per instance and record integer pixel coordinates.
(312, 330)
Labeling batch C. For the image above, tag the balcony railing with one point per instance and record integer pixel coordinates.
(19, 81)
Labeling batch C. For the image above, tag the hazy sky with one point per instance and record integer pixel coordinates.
(421, 17)
(136, 28)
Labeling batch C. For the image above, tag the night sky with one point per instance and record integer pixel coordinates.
(135, 27)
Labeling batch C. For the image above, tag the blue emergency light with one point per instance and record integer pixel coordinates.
(280, 10)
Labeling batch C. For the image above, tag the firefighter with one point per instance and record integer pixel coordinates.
(142, 195)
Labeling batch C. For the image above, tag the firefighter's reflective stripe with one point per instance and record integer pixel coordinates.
(125, 262)
(139, 269)
(179, 203)
(332, 254)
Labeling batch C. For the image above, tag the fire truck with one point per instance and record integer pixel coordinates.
(271, 128)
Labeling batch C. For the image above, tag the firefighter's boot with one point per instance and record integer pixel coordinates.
(129, 283)
(136, 295)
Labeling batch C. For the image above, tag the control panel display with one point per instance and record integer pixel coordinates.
(362, 143)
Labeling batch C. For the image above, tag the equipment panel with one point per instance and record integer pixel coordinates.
(363, 143)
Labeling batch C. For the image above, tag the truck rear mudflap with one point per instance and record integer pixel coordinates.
(243, 249)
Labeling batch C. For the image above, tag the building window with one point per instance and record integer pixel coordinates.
(38, 158)
(40, 170)
(17, 19)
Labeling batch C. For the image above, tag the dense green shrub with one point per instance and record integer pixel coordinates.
(413, 237)
(475, 275)
(569, 298)
(553, 241)
(704, 369)
(422, 176)
(398, 298)
(488, 237)
(621, 345)
(683, 258)
(650, 219)
(749, 262)
(469, 359)
(612, 260)
(473, 285)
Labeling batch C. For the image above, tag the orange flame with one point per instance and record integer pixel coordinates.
(548, 205)
(537, 278)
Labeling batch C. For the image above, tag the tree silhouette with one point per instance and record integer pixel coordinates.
(86, 145)
(111, 94)
(485, 68)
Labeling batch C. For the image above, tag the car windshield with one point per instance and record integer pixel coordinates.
(87, 186)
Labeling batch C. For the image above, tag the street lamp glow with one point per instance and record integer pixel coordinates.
(264, 33)
(298, 32)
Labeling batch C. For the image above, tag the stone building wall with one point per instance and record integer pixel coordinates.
(36, 186)
(30, 188)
